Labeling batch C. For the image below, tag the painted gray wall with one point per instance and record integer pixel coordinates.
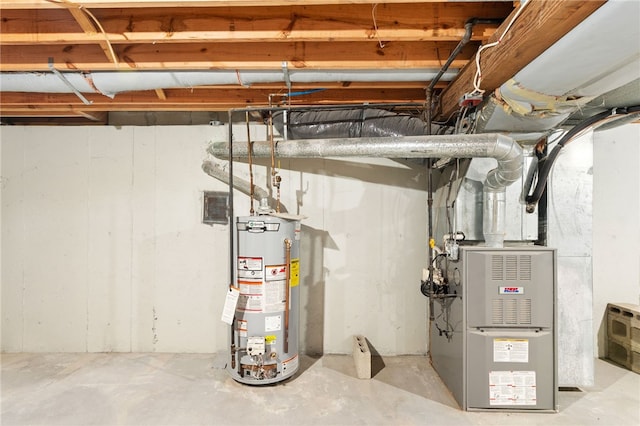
(103, 247)
(616, 224)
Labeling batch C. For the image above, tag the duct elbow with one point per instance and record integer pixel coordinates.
(217, 172)
(509, 155)
(219, 150)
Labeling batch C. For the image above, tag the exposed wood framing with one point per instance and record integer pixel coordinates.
(168, 35)
(394, 22)
(541, 24)
(45, 4)
(259, 55)
(194, 100)
(231, 35)
(100, 117)
(86, 22)
(161, 94)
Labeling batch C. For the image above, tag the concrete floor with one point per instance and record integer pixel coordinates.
(194, 389)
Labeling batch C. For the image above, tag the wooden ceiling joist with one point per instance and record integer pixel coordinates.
(90, 36)
(197, 100)
(105, 4)
(97, 116)
(351, 22)
(259, 55)
(229, 35)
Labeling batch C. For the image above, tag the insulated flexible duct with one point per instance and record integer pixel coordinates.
(351, 123)
(504, 149)
(216, 171)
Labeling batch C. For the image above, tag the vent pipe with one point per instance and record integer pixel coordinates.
(504, 149)
(216, 171)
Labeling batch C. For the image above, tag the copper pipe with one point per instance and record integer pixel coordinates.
(287, 249)
(251, 211)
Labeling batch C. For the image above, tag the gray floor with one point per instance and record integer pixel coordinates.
(188, 389)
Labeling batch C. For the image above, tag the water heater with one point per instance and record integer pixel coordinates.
(264, 332)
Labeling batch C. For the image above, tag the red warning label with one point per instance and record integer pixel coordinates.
(276, 273)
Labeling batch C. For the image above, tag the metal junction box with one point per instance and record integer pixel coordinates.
(493, 339)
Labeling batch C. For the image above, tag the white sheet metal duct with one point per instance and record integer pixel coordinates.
(600, 54)
(112, 83)
(504, 149)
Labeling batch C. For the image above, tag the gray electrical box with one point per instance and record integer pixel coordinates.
(493, 337)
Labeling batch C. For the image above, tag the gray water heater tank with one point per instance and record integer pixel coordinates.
(265, 329)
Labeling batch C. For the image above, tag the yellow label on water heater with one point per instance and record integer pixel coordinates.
(295, 272)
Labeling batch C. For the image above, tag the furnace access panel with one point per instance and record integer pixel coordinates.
(494, 339)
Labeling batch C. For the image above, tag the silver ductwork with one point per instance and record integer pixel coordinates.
(216, 171)
(261, 195)
(505, 150)
(348, 123)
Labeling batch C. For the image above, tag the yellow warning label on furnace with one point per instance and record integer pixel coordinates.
(295, 272)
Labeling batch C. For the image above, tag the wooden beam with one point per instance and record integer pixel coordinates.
(81, 18)
(198, 56)
(44, 4)
(99, 117)
(188, 100)
(394, 22)
(343, 85)
(21, 112)
(86, 22)
(540, 25)
(161, 94)
(481, 33)
(51, 121)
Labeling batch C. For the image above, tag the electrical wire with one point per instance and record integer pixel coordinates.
(477, 78)
(546, 163)
(375, 25)
(449, 206)
(460, 119)
(444, 122)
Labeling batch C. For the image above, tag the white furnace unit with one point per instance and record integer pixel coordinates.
(264, 332)
(493, 336)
